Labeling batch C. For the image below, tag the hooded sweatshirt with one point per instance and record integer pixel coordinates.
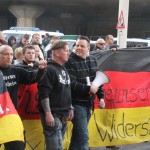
(56, 86)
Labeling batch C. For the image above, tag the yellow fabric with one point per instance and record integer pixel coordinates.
(11, 128)
(119, 126)
(34, 135)
(106, 127)
(116, 127)
(67, 136)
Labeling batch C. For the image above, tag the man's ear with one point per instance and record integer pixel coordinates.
(89, 48)
(57, 53)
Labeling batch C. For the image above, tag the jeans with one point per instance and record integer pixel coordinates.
(53, 135)
(80, 136)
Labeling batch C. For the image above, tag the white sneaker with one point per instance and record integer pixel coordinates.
(102, 103)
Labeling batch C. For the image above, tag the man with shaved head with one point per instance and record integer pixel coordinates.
(13, 76)
(100, 44)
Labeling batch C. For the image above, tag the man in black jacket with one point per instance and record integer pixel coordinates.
(13, 76)
(55, 97)
(23, 41)
(100, 44)
(36, 41)
(29, 53)
(82, 66)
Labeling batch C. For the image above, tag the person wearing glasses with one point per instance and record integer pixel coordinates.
(107, 44)
(100, 44)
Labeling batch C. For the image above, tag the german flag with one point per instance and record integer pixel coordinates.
(27, 109)
(11, 127)
(126, 117)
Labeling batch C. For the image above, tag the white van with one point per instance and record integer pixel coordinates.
(18, 32)
(136, 42)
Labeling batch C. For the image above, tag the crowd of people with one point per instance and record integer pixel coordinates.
(63, 92)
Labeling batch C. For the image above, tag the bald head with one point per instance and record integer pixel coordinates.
(100, 43)
(6, 56)
(4, 48)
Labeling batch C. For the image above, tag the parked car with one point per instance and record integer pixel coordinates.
(18, 32)
(71, 44)
(136, 42)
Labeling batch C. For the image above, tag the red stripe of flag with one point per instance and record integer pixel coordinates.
(127, 90)
(6, 105)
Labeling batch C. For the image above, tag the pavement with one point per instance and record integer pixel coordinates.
(139, 146)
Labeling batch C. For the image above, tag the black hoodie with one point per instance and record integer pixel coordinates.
(15, 75)
(56, 86)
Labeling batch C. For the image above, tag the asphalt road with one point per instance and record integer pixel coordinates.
(140, 146)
